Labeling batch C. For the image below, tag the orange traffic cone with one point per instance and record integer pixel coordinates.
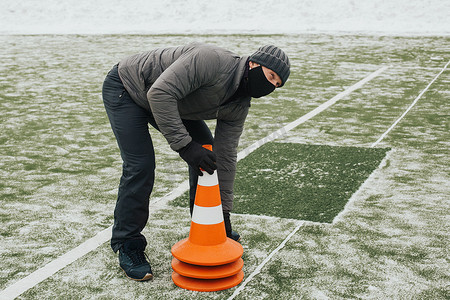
(207, 260)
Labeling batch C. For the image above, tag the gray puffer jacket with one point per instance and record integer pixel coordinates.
(192, 82)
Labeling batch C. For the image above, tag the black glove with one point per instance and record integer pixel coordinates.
(198, 157)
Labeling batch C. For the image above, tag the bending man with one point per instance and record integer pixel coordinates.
(175, 90)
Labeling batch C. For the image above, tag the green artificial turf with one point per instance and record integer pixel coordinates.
(298, 181)
(60, 168)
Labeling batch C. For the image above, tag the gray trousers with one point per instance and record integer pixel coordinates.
(129, 123)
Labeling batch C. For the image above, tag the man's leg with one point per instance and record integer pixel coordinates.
(129, 123)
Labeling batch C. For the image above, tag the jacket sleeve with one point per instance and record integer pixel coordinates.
(189, 72)
(226, 141)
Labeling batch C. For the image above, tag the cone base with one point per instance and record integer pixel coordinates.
(207, 272)
(207, 285)
(213, 255)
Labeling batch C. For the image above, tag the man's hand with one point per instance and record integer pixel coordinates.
(198, 157)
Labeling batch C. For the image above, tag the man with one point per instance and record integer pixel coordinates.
(175, 90)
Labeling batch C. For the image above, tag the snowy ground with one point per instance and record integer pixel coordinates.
(59, 169)
(404, 17)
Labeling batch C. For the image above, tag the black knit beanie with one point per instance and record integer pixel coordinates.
(273, 58)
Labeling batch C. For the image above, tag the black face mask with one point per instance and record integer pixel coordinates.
(258, 85)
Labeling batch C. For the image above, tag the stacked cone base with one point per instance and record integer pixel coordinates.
(207, 285)
(207, 272)
(212, 255)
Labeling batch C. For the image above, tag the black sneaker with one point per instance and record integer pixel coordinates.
(133, 261)
(234, 236)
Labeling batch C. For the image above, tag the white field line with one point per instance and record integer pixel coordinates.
(269, 257)
(51, 268)
(282, 131)
(351, 202)
(26, 283)
(409, 108)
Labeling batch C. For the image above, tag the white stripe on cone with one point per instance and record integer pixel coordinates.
(207, 215)
(208, 180)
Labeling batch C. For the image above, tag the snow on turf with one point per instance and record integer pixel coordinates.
(232, 16)
(395, 226)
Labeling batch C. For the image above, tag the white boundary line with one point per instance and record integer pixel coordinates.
(269, 257)
(54, 266)
(282, 131)
(26, 283)
(411, 106)
(351, 202)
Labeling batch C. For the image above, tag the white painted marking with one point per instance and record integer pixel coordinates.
(409, 108)
(51, 268)
(175, 193)
(281, 132)
(207, 215)
(208, 180)
(351, 202)
(26, 283)
(269, 257)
